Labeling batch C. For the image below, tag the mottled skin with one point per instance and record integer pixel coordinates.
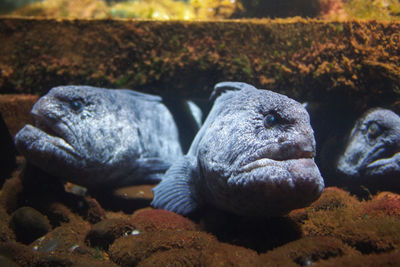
(252, 156)
(98, 137)
(373, 148)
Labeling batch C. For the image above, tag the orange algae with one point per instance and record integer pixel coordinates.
(353, 226)
(190, 247)
(333, 198)
(130, 250)
(383, 259)
(335, 228)
(381, 205)
(303, 58)
(161, 220)
(306, 251)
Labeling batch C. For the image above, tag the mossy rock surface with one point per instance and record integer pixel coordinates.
(305, 59)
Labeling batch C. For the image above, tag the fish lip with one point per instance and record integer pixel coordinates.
(39, 134)
(379, 157)
(49, 127)
(45, 125)
(265, 162)
(370, 161)
(263, 157)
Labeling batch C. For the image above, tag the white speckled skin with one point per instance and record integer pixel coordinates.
(238, 164)
(100, 137)
(373, 148)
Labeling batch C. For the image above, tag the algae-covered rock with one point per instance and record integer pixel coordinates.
(10, 194)
(353, 223)
(19, 253)
(103, 233)
(333, 198)
(381, 259)
(65, 238)
(130, 250)
(6, 234)
(381, 205)
(15, 110)
(161, 220)
(352, 62)
(29, 224)
(4, 261)
(306, 251)
(218, 255)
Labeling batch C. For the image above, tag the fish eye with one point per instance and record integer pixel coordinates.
(270, 120)
(76, 105)
(374, 130)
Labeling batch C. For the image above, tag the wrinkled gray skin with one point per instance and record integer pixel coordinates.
(244, 162)
(99, 137)
(373, 148)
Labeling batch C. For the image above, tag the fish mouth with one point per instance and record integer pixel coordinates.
(263, 158)
(380, 159)
(275, 187)
(356, 163)
(266, 162)
(49, 133)
(33, 139)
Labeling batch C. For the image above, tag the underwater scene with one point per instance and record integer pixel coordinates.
(200, 133)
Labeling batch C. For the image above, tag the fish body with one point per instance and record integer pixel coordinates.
(100, 137)
(373, 148)
(253, 156)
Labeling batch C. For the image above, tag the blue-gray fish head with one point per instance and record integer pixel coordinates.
(80, 131)
(257, 154)
(373, 145)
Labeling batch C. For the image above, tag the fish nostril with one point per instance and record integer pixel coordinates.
(281, 139)
(306, 149)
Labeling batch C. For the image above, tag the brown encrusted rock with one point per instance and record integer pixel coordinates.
(334, 197)
(381, 205)
(218, 254)
(58, 214)
(6, 234)
(223, 254)
(65, 238)
(19, 253)
(4, 261)
(26, 256)
(68, 259)
(381, 259)
(350, 223)
(29, 224)
(306, 251)
(15, 110)
(10, 193)
(303, 58)
(330, 199)
(103, 233)
(130, 250)
(178, 257)
(160, 220)
(95, 213)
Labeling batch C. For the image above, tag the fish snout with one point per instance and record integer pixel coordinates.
(303, 147)
(306, 148)
(45, 109)
(346, 168)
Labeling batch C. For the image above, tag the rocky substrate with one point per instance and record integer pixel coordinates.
(47, 223)
(306, 59)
